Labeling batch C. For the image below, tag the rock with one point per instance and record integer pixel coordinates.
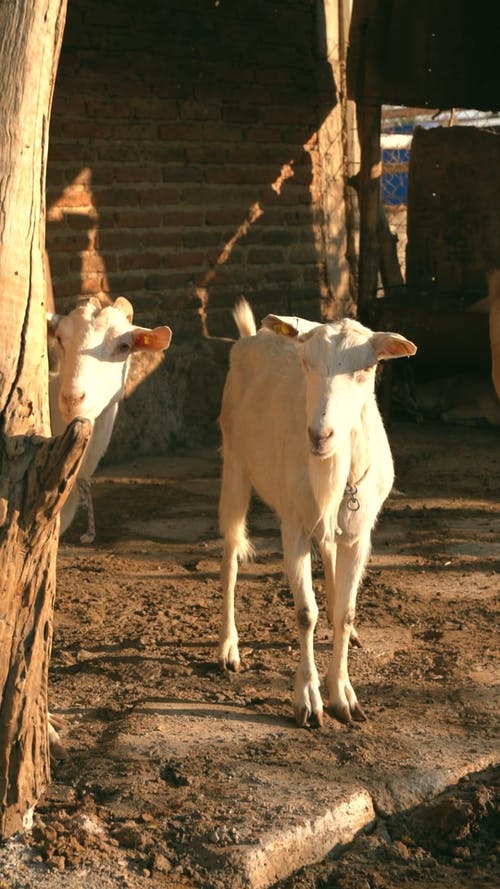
(129, 836)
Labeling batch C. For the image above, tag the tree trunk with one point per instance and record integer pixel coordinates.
(36, 472)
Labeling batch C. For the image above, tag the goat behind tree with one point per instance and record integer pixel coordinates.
(93, 346)
(301, 426)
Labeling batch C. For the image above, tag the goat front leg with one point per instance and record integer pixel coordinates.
(350, 562)
(307, 703)
(328, 555)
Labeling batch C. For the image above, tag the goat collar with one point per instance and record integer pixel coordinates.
(351, 489)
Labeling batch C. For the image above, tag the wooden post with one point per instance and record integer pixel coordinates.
(369, 117)
(337, 298)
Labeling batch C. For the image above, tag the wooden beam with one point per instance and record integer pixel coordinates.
(369, 117)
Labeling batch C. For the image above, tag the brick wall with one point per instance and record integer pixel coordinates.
(183, 160)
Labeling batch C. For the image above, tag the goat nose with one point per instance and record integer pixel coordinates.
(72, 400)
(318, 438)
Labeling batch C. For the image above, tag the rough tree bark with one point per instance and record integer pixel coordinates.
(36, 472)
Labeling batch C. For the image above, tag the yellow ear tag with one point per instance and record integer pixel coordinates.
(282, 329)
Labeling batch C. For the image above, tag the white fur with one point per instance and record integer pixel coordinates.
(94, 345)
(299, 422)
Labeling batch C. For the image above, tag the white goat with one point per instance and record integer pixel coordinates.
(93, 346)
(300, 425)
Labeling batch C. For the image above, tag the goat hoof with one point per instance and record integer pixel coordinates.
(316, 720)
(341, 714)
(231, 666)
(358, 713)
(354, 641)
(56, 747)
(301, 716)
(304, 718)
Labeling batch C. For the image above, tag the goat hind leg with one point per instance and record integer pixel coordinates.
(233, 506)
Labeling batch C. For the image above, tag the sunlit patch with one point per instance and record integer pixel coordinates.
(286, 172)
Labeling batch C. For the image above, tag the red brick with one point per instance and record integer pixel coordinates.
(193, 110)
(96, 108)
(182, 173)
(59, 264)
(126, 283)
(183, 217)
(138, 219)
(191, 131)
(265, 255)
(159, 195)
(141, 260)
(303, 254)
(263, 134)
(221, 133)
(135, 132)
(283, 274)
(153, 108)
(115, 196)
(226, 216)
(184, 259)
(137, 173)
(206, 154)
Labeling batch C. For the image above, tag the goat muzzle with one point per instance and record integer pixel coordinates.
(320, 441)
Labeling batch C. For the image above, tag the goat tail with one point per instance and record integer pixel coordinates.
(236, 540)
(244, 317)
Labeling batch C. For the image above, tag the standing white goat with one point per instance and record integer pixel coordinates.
(93, 346)
(301, 426)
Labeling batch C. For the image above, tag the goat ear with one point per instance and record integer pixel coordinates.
(125, 307)
(392, 345)
(152, 340)
(281, 326)
(52, 323)
(89, 300)
(291, 326)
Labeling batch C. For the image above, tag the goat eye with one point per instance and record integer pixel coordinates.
(59, 341)
(122, 349)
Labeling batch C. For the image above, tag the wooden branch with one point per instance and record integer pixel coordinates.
(53, 470)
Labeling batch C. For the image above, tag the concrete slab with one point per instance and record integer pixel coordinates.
(294, 822)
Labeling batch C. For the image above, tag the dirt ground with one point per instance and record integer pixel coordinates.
(171, 766)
